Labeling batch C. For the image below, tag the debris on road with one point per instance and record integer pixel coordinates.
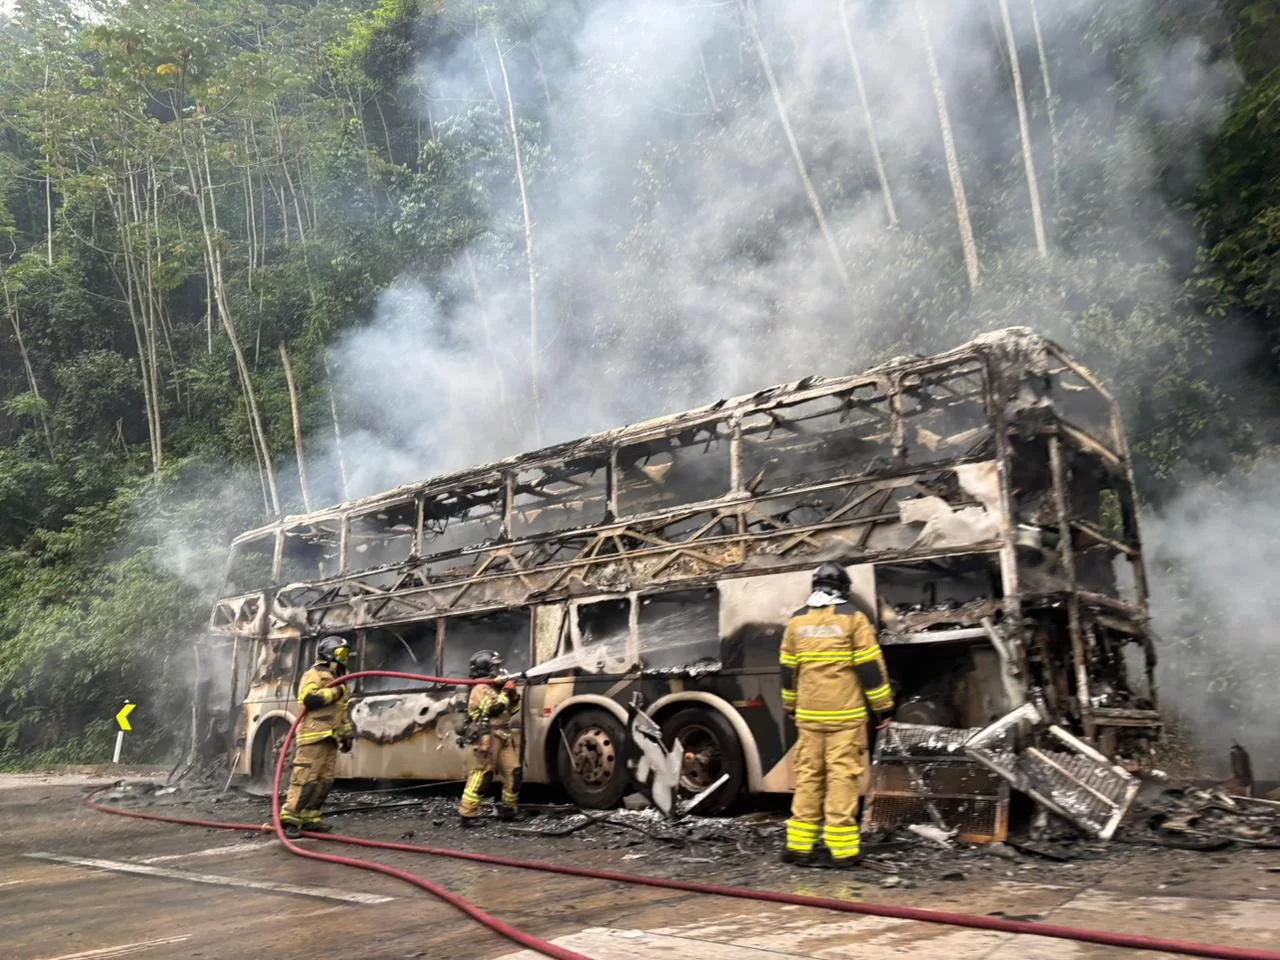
(1206, 819)
(921, 769)
(936, 834)
(1062, 773)
(1241, 781)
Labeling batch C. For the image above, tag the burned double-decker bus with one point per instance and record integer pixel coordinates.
(981, 500)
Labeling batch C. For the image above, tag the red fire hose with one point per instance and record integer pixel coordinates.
(1057, 931)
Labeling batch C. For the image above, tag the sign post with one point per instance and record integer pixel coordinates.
(122, 719)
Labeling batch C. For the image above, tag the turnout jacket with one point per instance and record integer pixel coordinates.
(830, 662)
(491, 706)
(329, 721)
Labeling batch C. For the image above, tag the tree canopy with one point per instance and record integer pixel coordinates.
(258, 256)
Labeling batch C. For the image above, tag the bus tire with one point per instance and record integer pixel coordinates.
(266, 748)
(711, 749)
(595, 773)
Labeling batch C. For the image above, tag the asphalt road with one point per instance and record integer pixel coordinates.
(214, 894)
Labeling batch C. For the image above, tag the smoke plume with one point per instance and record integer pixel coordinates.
(1212, 555)
(729, 194)
(678, 254)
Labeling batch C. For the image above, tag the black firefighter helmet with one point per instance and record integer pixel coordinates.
(485, 663)
(832, 578)
(332, 650)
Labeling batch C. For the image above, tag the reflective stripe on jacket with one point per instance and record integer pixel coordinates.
(487, 704)
(330, 720)
(830, 662)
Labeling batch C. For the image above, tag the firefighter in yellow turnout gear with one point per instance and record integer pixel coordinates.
(325, 729)
(830, 664)
(494, 730)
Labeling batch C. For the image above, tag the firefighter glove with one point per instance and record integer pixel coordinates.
(344, 743)
(314, 701)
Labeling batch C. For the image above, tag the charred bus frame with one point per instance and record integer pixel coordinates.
(982, 500)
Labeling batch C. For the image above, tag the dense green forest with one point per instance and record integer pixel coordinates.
(260, 256)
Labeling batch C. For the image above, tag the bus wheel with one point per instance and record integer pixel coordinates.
(590, 760)
(711, 749)
(266, 748)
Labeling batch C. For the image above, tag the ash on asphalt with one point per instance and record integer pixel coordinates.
(741, 850)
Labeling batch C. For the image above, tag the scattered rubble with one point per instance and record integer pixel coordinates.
(1062, 773)
(1191, 818)
(1169, 823)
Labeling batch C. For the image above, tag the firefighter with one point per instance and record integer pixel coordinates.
(494, 733)
(325, 729)
(830, 663)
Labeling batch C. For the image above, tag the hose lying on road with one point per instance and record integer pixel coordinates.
(998, 924)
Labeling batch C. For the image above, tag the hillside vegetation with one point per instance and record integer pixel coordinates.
(259, 256)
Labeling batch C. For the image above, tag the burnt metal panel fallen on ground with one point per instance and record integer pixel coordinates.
(1060, 772)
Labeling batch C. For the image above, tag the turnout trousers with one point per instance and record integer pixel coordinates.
(309, 782)
(830, 776)
(496, 753)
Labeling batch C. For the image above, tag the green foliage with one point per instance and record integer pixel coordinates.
(378, 46)
(305, 126)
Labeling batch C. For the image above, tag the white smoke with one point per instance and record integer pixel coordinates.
(1212, 556)
(677, 256)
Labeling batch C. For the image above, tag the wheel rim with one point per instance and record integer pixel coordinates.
(703, 761)
(595, 756)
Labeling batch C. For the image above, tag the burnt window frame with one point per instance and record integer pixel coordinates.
(605, 462)
(1114, 441)
(573, 633)
(413, 500)
(641, 597)
(886, 391)
(275, 536)
(501, 485)
(732, 435)
(912, 380)
(443, 625)
(430, 625)
(341, 523)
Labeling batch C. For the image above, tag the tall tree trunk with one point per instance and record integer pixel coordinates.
(534, 347)
(749, 17)
(866, 113)
(967, 244)
(288, 177)
(344, 491)
(251, 221)
(537, 63)
(48, 185)
(386, 131)
(489, 346)
(148, 304)
(206, 206)
(1024, 131)
(135, 300)
(706, 79)
(297, 427)
(1049, 105)
(11, 310)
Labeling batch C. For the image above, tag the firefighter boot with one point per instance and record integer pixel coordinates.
(508, 813)
(470, 823)
(795, 858)
(823, 860)
(293, 831)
